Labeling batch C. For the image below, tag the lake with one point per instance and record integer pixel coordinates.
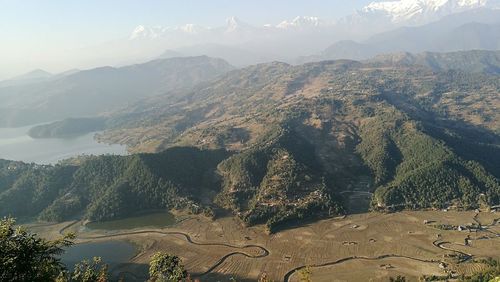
(111, 252)
(153, 220)
(17, 145)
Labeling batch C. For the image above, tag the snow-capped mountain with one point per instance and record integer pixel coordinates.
(302, 22)
(233, 25)
(415, 12)
(376, 17)
(142, 32)
(242, 44)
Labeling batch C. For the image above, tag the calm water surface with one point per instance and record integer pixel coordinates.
(153, 220)
(111, 252)
(16, 144)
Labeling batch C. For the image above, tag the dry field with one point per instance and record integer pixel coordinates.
(364, 247)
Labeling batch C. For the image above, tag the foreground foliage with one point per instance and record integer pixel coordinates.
(26, 257)
(166, 268)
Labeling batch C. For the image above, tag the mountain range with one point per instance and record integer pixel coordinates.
(399, 12)
(417, 12)
(242, 44)
(458, 32)
(276, 143)
(103, 89)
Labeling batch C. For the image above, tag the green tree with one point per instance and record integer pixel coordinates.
(26, 257)
(166, 268)
(90, 271)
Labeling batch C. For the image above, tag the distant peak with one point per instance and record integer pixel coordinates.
(39, 72)
(398, 11)
(233, 24)
(232, 20)
(141, 32)
(34, 74)
(302, 22)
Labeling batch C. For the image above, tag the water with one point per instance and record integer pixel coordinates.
(111, 252)
(153, 220)
(16, 144)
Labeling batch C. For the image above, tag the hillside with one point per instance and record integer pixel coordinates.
(473, 30)
(106, 187)
(99, 90)
(27, 78)
(358, 118)
(470, 61)
(305, 141)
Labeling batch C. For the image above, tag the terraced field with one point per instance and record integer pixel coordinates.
(363, 247)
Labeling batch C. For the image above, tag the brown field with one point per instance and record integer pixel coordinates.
(364, 247)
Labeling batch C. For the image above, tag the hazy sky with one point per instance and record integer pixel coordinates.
(31, 29)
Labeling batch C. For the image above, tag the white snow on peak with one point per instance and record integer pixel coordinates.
(192, 28)
(234, 24)
(142, 32)
(146, 32)
(301, 22)
(392, 12)
(422, 10)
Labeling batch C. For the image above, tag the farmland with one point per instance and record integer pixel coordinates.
(368, 247)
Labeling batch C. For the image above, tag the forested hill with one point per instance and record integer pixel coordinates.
(417, 137)
(106, 187)
(302, 139)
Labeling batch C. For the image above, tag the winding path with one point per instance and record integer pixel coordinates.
(263, 251)
(441, 244)
(342, 260)
(437, 243)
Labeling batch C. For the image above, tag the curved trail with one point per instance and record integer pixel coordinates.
(436, 243)
(263, 251)
(441, 246)
(342, 260)
(68, 226)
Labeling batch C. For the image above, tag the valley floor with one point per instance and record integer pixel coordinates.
(364, 247)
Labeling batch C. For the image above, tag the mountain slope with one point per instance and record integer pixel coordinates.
(106, 187)
(470, 61)
(237, 56)
(305, 142)
(30, 77)
(102, 89)
(396, 125)
(473, 30)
